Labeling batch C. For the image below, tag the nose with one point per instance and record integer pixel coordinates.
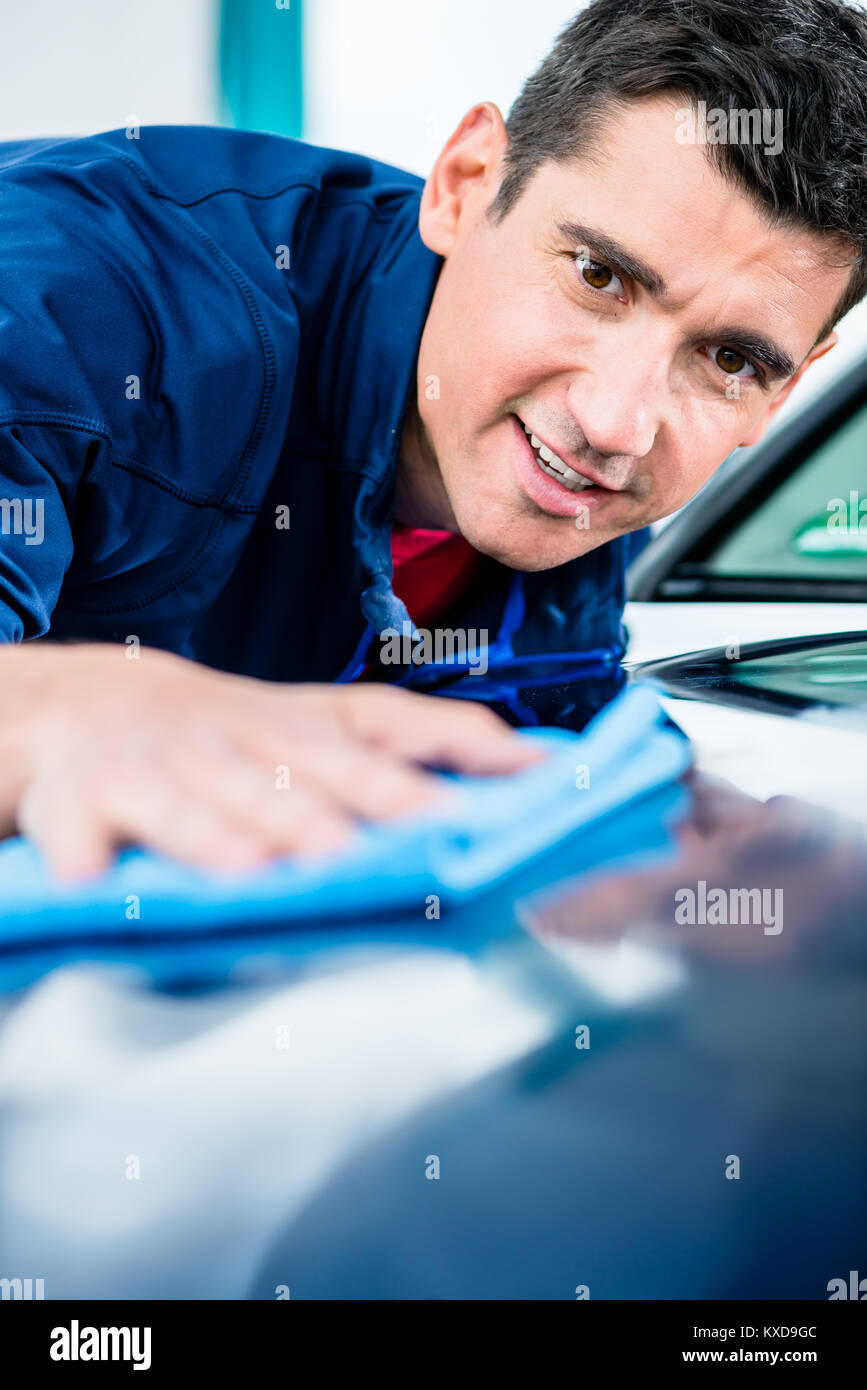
(619, 400)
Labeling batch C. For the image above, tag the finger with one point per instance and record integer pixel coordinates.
(367, 784)
(458, 734)
(261, 796)
(150, 807)
(72, 841)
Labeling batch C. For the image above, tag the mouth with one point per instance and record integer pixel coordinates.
(553, 465)
(551, 483)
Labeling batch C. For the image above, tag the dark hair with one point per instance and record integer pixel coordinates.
(807, 58)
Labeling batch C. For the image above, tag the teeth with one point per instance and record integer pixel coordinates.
(553, 465)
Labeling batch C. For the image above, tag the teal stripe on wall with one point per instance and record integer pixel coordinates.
(261, 65)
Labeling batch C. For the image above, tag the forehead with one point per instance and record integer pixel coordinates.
(716, 250)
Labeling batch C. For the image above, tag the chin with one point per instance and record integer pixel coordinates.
(530, 553)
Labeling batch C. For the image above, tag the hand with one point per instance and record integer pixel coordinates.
(219, 771)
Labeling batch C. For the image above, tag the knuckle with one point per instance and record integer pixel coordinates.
(474, 713)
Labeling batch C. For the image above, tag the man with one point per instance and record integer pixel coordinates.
(256, 394)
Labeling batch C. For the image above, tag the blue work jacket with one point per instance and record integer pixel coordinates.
(208, 341)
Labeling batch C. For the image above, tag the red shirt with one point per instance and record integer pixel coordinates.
(431, 571)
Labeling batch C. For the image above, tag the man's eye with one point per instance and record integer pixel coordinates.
(731, 362)
(598, 276)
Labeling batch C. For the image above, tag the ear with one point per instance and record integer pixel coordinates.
(758, 430)
(466, 172)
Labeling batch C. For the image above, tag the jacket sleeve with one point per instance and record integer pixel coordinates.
(69, 324)
(41, 461)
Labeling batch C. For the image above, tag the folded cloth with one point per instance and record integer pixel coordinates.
(401, 881)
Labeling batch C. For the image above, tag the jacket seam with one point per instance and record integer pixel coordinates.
(267, 348)
(62, 420)
(125, 462)
(158, 191)
(59, 419)
(212, 190)
(134, 605)
(216, 189)
(128, 463)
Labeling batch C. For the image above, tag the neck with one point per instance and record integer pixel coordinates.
(420, 498)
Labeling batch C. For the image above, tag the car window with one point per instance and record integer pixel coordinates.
(785, 675)
(814, 525)
(824, 675)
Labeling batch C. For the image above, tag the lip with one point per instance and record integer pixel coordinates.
(549, 495)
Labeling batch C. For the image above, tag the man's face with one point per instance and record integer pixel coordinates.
(543, 324)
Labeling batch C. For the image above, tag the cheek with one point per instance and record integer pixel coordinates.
(492, 346)
(702, 440)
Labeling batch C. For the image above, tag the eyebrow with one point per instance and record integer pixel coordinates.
(607, 249)
(775, 360)
(778, 363)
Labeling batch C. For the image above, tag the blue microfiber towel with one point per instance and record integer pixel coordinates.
(503, 834)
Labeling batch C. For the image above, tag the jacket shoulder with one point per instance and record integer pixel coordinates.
(189, 163)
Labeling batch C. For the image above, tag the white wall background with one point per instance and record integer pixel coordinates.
(387, 77)
(71, 67)
(392, 78)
